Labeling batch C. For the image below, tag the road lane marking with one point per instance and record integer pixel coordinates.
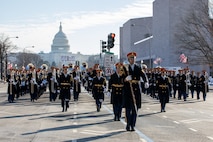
(165, 126)
(192, 129)
(211, 138)
(190, 121)
(99, 133)
(141, 135)
(74, 130)
(176, 122)
(75, 123)
(165, 116)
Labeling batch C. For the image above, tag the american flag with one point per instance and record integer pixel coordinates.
(183, 58)
(157, 61)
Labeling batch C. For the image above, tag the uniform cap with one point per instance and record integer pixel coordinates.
(131, 54)
(119, 64)
(98, 70)
(163, 70)
(65, 67)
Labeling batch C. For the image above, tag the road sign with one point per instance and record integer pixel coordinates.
(108, 71)
(108, 63)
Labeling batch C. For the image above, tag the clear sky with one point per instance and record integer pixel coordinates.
(85, 22)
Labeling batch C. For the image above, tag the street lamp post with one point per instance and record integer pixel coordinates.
(147, 36)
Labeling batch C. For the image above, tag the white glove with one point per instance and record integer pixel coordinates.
(108, 94)
(146, 85)
(105, 90)
(129, 77)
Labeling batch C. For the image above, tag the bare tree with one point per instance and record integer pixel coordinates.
(23, 59)
(5, 47)
(195, 34)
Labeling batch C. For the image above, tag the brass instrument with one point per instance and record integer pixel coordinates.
(31, 66)
(44, 70)
(44, 67)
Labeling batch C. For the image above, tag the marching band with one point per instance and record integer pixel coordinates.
(124, 87)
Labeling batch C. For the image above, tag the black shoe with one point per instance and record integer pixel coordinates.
(98, 109)
(132, 129)
(114, 118)
(62, 110)
(127, 128)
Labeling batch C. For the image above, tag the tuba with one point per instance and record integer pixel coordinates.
(44, 67)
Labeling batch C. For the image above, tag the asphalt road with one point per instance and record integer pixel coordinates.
(43, 121)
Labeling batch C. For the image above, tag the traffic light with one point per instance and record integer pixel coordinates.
(103, 46)
(111, 40)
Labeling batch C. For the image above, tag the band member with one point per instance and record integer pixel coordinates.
(175, 83)
(76, 82)
(65, 84)
(116, 87)
(83, 74)
(23, 84)
(164, 86)
(198, 85)
(11, 86)
(17, 81)
(89, 76)
(52, 81)
(204, 82)
(192, 81)
(152, 85)
(132, 94)
(33, 86)
(98, 86)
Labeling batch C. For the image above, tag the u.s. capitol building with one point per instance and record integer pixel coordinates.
(60, 52)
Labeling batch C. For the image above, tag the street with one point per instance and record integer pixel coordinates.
(43, 121)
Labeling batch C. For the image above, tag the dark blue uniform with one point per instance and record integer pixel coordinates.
(132, 100)
(116, 85)
(65, 84)
(163, 91)
(98, 85)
